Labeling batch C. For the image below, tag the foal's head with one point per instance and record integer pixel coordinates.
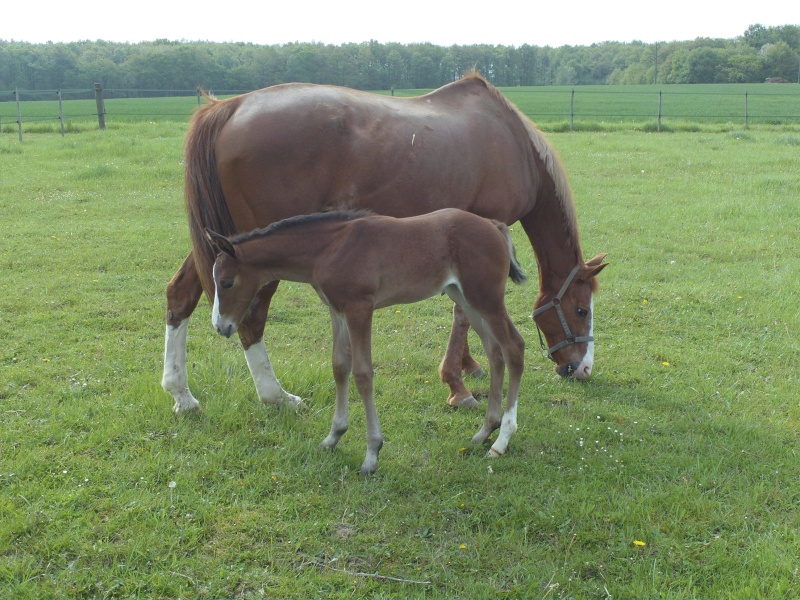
(235, 286)
(565, 319)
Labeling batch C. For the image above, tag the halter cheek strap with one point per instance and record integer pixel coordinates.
(569, 339)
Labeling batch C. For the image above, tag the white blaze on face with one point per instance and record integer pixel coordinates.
(585, 368)
(215, 318)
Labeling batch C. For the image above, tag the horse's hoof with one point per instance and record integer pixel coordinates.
(181, 409)
(478, 373)
(492, 453)
(368, 471)
(467, 402)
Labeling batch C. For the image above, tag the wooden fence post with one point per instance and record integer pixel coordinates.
(572, 110)
(659, 111)
(19, 114)
(746, 113)
(60, 112)
(101, 109)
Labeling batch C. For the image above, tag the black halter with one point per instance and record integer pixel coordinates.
(556, 303)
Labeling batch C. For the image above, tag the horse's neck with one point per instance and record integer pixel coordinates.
(557, 250)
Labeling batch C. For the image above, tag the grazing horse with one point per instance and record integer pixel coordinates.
(299, 149)
(359, 262)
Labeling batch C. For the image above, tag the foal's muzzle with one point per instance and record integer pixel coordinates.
(226, 331)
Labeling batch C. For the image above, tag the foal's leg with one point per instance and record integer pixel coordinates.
(453, 362)
(342, 365)
(359, 323)
(183, 293)
(496, 377)
(251, 334)
(513, 347)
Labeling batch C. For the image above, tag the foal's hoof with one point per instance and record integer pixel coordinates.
(462, 401)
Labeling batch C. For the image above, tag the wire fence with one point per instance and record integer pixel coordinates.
(579, 107)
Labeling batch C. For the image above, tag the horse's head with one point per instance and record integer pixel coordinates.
(235, 288)
(565, 319)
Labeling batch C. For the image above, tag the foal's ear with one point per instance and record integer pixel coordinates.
(220, 243)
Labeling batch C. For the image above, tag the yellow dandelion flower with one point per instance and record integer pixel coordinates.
(639, 543)
(644, 301)
(462, 547)
(665, 363)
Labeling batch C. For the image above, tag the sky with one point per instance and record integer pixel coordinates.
(443, 23)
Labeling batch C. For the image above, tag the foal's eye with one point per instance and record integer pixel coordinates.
(226, 285)
(582, 312)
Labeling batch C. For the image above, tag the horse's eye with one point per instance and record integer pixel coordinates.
(226, 285)
(582, 312)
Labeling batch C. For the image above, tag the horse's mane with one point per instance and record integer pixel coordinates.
(547, 155)
(300, 220)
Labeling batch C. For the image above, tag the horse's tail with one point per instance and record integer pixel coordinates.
(515, 271)
(205, 202)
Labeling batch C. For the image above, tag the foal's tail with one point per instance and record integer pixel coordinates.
(205, 202)
(515, 271)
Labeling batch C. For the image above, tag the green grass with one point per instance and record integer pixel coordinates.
(684, 439)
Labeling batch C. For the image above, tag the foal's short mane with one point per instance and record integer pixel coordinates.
(548, 156)
(312, 219)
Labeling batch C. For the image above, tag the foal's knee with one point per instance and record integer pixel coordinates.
(363, 379)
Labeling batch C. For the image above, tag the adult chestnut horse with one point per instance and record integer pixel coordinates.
(298, 149)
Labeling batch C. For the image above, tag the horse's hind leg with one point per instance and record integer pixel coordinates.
(183, 293)
(470, 366)
(513, 348)
(452, 364)
(494, 406)
(251, 334)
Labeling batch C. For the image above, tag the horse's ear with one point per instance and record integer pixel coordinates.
(593, 262)
(220, 243)
(593, 267)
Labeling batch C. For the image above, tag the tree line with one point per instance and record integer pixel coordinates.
(760, 53)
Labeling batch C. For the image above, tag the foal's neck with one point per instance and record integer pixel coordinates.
(290, 254)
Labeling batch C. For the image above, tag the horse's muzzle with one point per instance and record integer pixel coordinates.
(576, 370)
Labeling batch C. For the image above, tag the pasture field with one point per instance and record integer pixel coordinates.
(596, 108)
(673, 472)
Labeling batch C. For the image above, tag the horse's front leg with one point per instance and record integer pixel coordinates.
(359, 324)
(251, 334)
(183, 293)
(454, 359)
(342, 366)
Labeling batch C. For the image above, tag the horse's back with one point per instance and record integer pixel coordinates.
(301, 148)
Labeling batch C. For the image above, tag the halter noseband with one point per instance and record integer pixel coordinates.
(556, 303)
